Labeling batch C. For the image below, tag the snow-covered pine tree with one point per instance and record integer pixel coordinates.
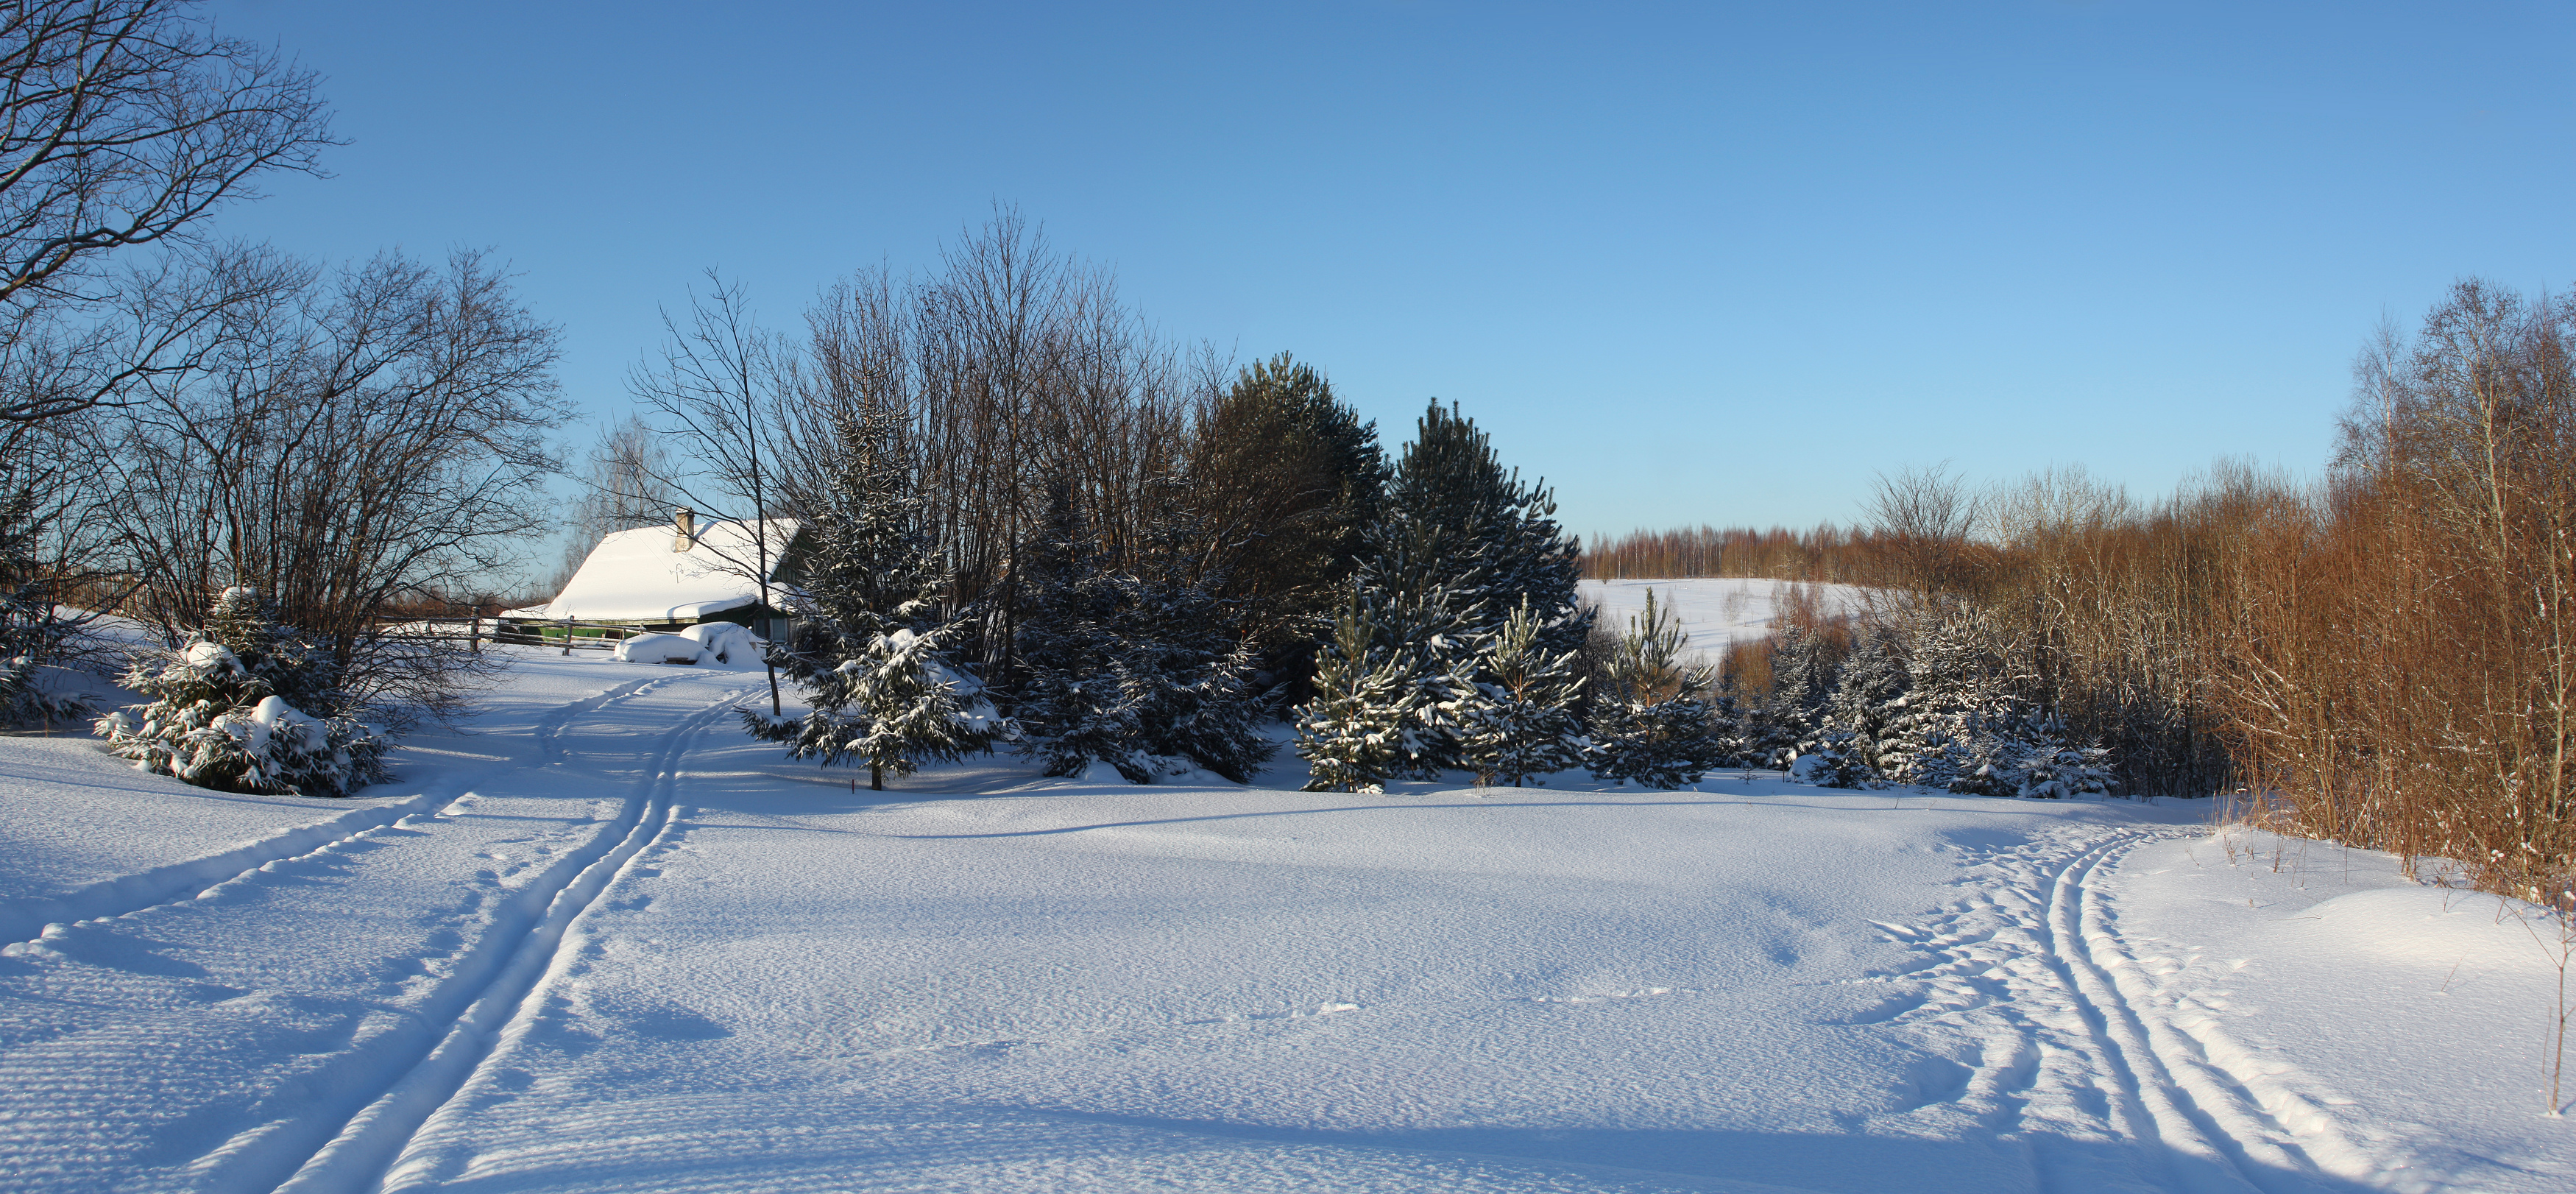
(866, 643)
(246, 705)
(1854, 739)
(1355, 732)
(893, 705)
(2046, 764)
(1133, 671)
(1653, 723)
(1956, 699)
(1516, 720)
(1969, 722)
(1463, 542)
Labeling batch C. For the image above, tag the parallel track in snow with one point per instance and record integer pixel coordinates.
(371, 1138)
(179, 882)
(2195, 1116)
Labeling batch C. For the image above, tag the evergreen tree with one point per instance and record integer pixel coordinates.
(1654, 723)
(1517, 721)
(1970, 721)
(1127, 669)
(1284, 479)
(866, 643)
(32, 629)
(1855, 738)
(246, 705)
(1356, 731)
(1463, 543)
(894, 704)
(1791, 714)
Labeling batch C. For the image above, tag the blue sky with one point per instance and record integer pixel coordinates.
(1691, 263)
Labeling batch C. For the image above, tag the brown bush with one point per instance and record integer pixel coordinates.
(2396, 662)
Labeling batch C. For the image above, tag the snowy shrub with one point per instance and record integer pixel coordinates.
(230, 710)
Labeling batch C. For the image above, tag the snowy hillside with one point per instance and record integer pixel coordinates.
(607, 943)
(1714, 611)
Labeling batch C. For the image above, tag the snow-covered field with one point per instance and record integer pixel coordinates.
(607, 942)
(1714, 611)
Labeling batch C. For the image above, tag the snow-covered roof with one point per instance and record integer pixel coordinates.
(634, 576)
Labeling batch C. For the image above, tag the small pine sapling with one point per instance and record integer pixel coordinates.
(1854, 744)
(1354, 733)
(893, 706)
(1519, 724)
(1654, 723)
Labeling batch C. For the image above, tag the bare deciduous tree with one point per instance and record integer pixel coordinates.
(122, 123)
(719, 385)
(352, 440)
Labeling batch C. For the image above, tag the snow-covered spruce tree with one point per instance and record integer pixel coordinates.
(246, 705)
(1356, 731)
(1516, 720)
(1970, 722)
(1136, 671)
(1792, 713)
(1854, 738)
(867, 640)
(1653, 722)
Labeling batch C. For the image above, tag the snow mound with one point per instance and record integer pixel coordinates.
(659, 648)
(727, 643)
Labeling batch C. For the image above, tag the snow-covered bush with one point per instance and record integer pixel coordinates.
(248, 706)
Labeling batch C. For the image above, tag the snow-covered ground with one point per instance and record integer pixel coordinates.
(607, 942)
(1716, 611)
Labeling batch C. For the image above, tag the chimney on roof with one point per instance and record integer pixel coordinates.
(685, 521)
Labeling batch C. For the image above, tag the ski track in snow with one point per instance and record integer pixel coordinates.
(27, 920)
(344, 1143)
(357, 1156)
(30, 920)
(2069, 1036)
